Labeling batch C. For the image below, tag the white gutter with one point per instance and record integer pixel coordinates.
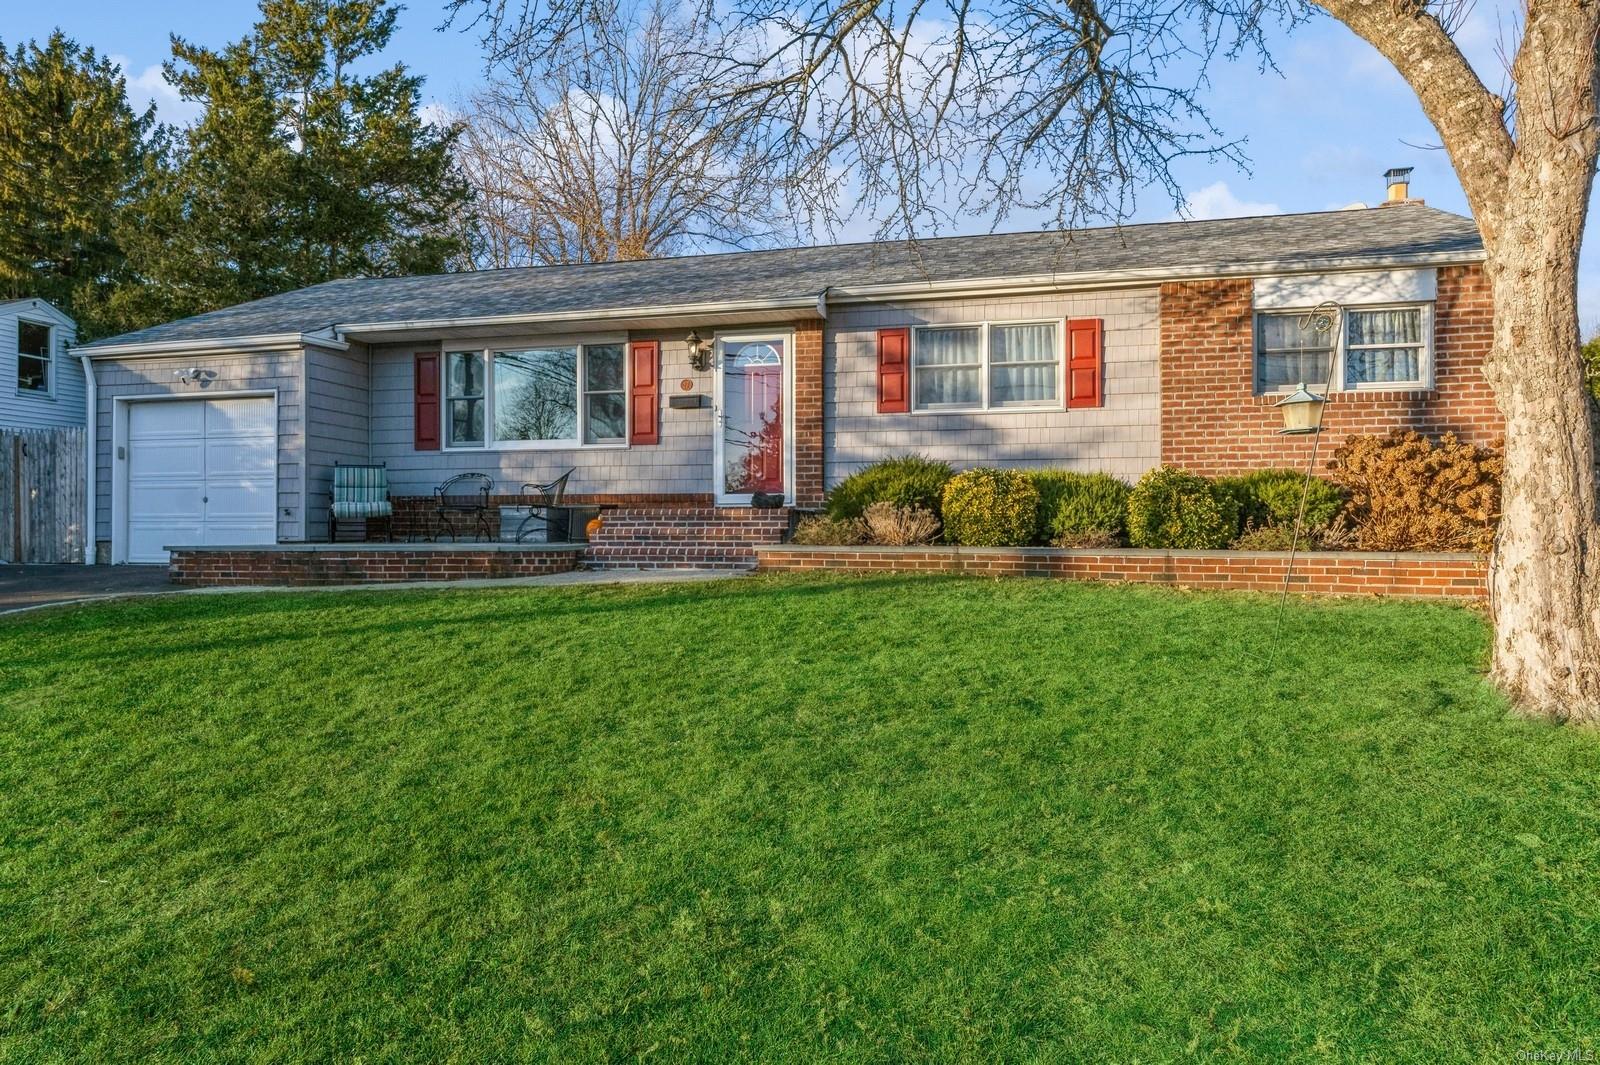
(670, 310)
(1088, 279)
(92, 405)
(818, 305)
(219, 346)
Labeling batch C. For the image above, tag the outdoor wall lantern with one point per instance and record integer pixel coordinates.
(699, 352)
(1302, 411)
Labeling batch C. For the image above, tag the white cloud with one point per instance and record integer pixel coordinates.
(150, 86)
(1218, 201)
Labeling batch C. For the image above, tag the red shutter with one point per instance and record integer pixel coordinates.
(644, 393)
(425, 402)
(894, 371)
(1085, 364)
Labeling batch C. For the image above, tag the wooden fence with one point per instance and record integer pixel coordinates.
(42, 495)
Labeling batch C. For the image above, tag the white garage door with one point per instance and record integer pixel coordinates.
(200, 472)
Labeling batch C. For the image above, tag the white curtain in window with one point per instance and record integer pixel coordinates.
(1288, 353)
(1368, 357)
(947, 368)
(1023, 362)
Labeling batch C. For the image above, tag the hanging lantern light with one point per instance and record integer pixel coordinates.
(1302, 411)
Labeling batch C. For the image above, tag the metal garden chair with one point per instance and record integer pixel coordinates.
(544, 509)
(464, 497)
(360, 493)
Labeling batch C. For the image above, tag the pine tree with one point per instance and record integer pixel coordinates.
(299, 170)
(73, 154)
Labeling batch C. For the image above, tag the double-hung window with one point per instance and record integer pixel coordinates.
(988, 366)
(33, 356)
(1372, 348)
(547, 396)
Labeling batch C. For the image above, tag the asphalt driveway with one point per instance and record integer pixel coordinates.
(30, 586)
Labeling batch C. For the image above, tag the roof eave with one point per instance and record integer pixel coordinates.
(1092, 279)
(240, 345)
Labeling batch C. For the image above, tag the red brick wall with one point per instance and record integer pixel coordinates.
(684, 537)
(417, 517)
(808, 414)
(267, 566)
(1315, 573)
(1212, 423)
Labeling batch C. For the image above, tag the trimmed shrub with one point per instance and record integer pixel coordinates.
(1272, 497)
(1087, 539)
(986, 507)
(905, 481)
(823, 531)
(900, 526)
(1170, 507)
(1073, 505)
(1335, 536)
(1408, 493)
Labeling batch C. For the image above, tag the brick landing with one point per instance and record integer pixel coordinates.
(684, 537)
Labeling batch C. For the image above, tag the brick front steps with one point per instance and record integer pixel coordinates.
(311, 564)
(684, 537)
(1418, 576)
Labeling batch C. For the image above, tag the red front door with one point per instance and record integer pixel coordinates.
(752, 417)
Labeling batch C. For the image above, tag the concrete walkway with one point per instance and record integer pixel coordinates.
(24, 588)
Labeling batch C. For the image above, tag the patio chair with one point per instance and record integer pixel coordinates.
(360, 493)
(464, 497)
(544, 509)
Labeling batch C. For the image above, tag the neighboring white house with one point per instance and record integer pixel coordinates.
(41, 382)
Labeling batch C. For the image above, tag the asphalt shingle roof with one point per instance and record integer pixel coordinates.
(793, 273)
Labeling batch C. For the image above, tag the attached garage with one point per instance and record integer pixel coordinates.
(196, 471)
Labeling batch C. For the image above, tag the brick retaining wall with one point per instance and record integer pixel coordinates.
(313, 564)
(1420, 576)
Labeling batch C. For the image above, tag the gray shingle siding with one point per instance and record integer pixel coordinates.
(338, 424)
(64, 406)
(1123, 437)
(680, 464)
(280, 371)
(803, 273)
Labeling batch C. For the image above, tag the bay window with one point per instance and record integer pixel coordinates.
(1374, 348)
(987, 366)
(560, 395)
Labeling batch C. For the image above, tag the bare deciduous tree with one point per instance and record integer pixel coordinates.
(602, 149)
(1075, 103)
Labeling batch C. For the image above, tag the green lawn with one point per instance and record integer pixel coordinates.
(784, 819)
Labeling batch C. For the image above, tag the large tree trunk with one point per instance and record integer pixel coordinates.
(1545, 574)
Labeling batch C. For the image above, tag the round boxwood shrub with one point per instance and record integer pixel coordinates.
(1170, 507)
(986, 507)
(905, 481)
(1272, 497)
(1091, 507)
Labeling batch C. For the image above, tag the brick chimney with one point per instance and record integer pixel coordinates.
(1399, 182)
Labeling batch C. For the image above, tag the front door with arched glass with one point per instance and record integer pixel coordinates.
(752, 445)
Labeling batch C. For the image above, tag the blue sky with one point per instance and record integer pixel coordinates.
(1319, 133)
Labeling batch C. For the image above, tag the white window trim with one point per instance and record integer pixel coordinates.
(49, 389)
(986, 406)
(1337, 384)
(488, 353)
